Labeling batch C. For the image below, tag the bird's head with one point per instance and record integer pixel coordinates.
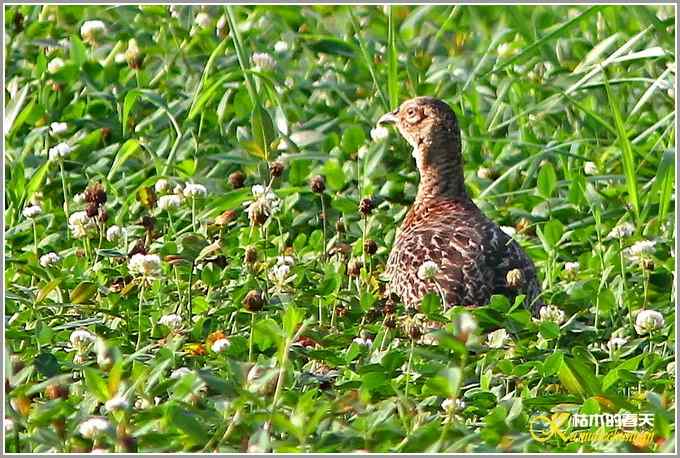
(430, 127)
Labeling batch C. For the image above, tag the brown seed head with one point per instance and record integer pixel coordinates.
(318, 184)
(236, 179)
(253, 301)
(515, 278)
(95, 194)
(55, 391)
(148, 222)
(354, 268)
(251, 255)
(226, 217)
(276, 168)
(340, 226)
(370, 247)
(366, 206)
(91, 210)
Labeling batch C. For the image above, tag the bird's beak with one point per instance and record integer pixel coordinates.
(388, 118)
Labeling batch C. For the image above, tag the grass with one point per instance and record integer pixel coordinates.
(257, 320)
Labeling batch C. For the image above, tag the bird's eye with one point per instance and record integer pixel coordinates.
(411, 112)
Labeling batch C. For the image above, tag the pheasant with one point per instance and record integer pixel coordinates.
(446, 245)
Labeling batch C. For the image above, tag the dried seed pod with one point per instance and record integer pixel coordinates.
(253, 301)
(226, 217)
(370, 246)
(366, 206)
(95, 194)
(515, 278)
(55, 391)
(318, 184)
(148, 222)
(236, 179)
(276, 168)
(354, 268)
(92, 210)
(340, 226)
(251, 255)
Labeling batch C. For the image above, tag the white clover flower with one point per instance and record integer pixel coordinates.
(220, 345)
(467, 323)
(509, 230)
(497, 339)
(120, 58)
(60, 150)
(428, 270)
(81, 224)
(362, 152)
(195, 190)
(146, 265)
(364, 341)
(132, 52)
(81, 340)
(615, 343)
(93, 427)
(116, 403)
(79, 198)
(620, 231)
(551, 313)
(57, 128)
(263, 61)
(178, 189)
(590, 168)
(114, 233)
(640, 249)
(55, 65)
(221, 26)
(203, 20)
(281, 46)
(670, 368)
(169, 201)
(280, 275)
(104, 354)
(451, 405)
(287, 260)
(506, 50)
(379, 134)
(9, 425)
(161, 186)
(485, 173)
(266, 203)
(91, 30)
(32, 211)
(173, 321)
(571, 267)
(647, 321)
(179, 373)
(49, 259)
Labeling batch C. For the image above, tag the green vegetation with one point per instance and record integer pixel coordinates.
(187, 267)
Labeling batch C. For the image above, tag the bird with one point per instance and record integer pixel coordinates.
(445, 244)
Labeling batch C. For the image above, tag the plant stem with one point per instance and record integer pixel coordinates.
(323, 224)
(408, 368)
(139, 317)
(250, 339)
(63, 188)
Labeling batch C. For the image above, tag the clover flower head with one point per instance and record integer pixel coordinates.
(551, 313)
(55, 65)
(93, 427)
(497, 338)
(265, 204)
(640, 249)
(379, 134)
(116, 403)
(81, 224)
(281, 46)
(9, 425)
(57, 128)
(49, 259)
(571, 267)
(467, 323)
(172, 320)
(81, 340)
(220, 345)
(169, 201)
(32, 211)
(285, 260)
(363, 341)
(60, 150)
(90, 31)
(203, 20)
(616, 343)
(506, 50)
(179, 373)
(161, 185)
(114, 233)
(620, 231)
(263, 61)
(428, 270)
(146, 265)
(648, 321)
(590, 168)
(195, 190)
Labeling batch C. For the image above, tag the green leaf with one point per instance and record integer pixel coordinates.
(549, 330)
(552, 363)
(46, 364)
(128, 149)
(78, 52)
(83, 292)
(547, 180)
(47, 289)
(186, 422)
(95, 384)
(292, 317)
(578, 378)
(447, 382)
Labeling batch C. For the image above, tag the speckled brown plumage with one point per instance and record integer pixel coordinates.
(444, 225)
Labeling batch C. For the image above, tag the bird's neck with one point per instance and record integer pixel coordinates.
(441, 169)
